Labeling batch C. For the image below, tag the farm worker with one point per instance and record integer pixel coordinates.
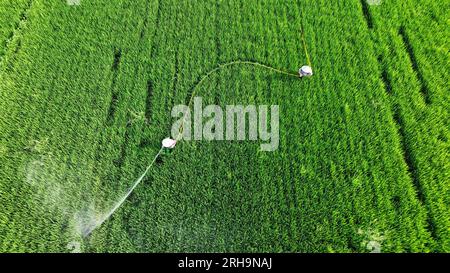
(169, 143)
(305, 71)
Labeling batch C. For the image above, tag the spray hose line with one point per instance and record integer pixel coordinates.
(180, 134)
(125, 197)
(247, 62)
(223, 66)
(191, 99)
(305, 47)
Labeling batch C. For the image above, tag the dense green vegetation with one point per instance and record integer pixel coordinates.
(85, 99)
(12, 15)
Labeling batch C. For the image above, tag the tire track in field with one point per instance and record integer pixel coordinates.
(405, 146)
(397, 118)
(176, 77)
(114, 93)
(412, 169)
(148, 101)
(109, 121)
(125, 146)
(367, 15)
(406, 150)
(149, 98)
(425, 127)
(169, 102)
(150, 85)
(415, 64)
(129, 130)
(149, 93)
(16, 32)
(118, 163)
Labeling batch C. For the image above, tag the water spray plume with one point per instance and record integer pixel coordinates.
(87, 230)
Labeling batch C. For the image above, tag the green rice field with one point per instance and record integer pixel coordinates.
(87, 89)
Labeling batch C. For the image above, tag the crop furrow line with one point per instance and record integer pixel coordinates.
(415, 64)
(367, 15)
(114, 92)
(406, 151)
(112, 106)
(412, 168)
(176, 73)
(118, 163)
(149, 83)
(155, 33)
(401, 132)
(385, 76)
(407, 155)
(217, 24)
(148, 101)
(149, 95)
(145, 143)
(148, 104)
(169, 102)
